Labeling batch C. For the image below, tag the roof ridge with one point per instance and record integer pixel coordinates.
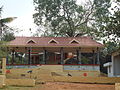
(51, 37)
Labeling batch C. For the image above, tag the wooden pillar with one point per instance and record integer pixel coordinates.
(39, 59)
(25, 57)
(98, 56)
(54, 57)
(21, 59)
(29, 55)
(93, 56)
(61, 59)
(79, 55)
(44, 56)
(34, 60)
(13, 56)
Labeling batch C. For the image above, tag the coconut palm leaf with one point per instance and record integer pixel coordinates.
(7, 20)
(1, 9)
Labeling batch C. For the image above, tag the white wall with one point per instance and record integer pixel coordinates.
(116, 65)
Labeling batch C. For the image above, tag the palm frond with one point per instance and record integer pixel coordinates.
(1, 10)
(7, 20)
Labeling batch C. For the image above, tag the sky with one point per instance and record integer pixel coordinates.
(23, 10)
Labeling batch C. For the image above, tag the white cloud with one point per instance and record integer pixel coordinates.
(24, 23)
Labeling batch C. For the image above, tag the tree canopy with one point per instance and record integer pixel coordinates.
(97, 18)
(67, 18)
(62, 17)
(4, 29)
(6, 33)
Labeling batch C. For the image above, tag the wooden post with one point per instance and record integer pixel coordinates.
(98, 56)
(25, 59)
(61, 59)
(13, 56)
(44, 57)
(29, 55)
(79, 56)
(39, 59)
(93, 56)
(21, 59)
(4, 66)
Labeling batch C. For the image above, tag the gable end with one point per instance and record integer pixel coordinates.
(74, 41)
(31, 41)
(53, 41)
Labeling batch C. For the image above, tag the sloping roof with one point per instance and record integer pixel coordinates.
(63, 42)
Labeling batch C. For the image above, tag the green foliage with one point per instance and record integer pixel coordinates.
(2, 52)
(66, 18)
(107, 20)
(7, 20)
(3, 27)
(61, 17)
(110, 46)
(8, 36)
(0, 10)
(113, 27)
(101, 16)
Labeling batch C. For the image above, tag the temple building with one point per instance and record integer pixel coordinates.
(71, 52)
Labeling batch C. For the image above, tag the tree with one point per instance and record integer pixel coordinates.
(62, 17)
(3, 22)
(113, 26)
(6, 34)
(107, 20)
(66, 18)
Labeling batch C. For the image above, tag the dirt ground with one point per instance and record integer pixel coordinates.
(64, 86)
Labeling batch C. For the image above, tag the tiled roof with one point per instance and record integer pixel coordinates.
(84, 41)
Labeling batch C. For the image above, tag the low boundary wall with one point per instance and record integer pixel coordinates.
(20, 82)
(105, 80)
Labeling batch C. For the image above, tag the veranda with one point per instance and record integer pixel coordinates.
(33, 51)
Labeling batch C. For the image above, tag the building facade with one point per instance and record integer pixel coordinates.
(55, 51)
(114, 66)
